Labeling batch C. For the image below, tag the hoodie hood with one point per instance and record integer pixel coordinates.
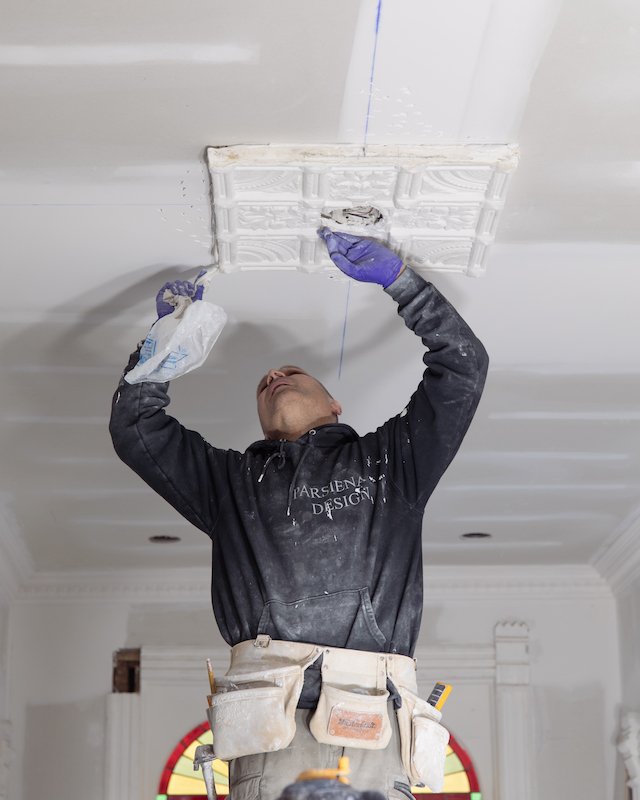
(330, 435)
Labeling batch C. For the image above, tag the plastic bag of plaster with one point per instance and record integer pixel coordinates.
(179, 342)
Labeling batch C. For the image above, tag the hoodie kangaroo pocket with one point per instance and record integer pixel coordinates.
(337, 619)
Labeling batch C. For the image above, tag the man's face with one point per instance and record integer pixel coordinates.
(289, 400)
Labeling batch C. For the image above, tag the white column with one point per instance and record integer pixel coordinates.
(514, 712)
(122, 757)
(6, 754)
(629, 749)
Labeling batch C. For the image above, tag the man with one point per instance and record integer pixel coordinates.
(317, 556)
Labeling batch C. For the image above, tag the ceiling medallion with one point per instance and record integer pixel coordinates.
(437, 207)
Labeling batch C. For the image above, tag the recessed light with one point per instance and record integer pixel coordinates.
(161, 539)
(476, 535)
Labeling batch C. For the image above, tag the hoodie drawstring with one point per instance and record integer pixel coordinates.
(282, 455)
(292, 485)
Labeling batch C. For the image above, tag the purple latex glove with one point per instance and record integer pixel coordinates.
(361, 258)
(184, 288)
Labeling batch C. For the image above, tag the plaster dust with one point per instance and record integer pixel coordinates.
(357, 219)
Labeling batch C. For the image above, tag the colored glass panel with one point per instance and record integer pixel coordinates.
(178, 784)
(456, 779)
(452, 764)
(184, 766)
(180, 780)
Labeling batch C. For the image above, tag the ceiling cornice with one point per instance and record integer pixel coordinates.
(192, 586)
(16, 565)
(618, 560)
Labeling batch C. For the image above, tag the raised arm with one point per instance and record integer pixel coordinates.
(176, 462)
(421, 441)
(425, 437)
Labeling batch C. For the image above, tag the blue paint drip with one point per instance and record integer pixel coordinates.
(344, 329)
(371, 74)
(366, 133)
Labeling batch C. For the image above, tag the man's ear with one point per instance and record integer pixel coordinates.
(335, 406)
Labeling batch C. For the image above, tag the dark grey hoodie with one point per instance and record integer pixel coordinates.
(319, 540)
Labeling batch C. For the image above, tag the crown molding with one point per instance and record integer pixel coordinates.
(169, 586)
(16, 565)
(618, 560)
(192, 586)
(549, 582)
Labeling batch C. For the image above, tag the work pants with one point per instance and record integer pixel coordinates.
(264, 776)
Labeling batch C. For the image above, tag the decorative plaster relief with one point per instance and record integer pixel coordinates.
(629, 749)
(440, 206)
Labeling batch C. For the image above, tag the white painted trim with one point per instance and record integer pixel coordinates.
(618, 560)
(16, 565)
(514, 712)
(167, 586)
(122, 752)
(192, 586)
(184, 666)
(6, 757)
(469, 664)
(571, 581)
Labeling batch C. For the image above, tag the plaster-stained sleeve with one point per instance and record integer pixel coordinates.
(422, 440)
(176, 462)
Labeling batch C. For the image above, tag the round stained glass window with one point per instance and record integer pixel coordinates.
(179, 781)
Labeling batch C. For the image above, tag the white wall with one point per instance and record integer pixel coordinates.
(575, 684)
(60, 674)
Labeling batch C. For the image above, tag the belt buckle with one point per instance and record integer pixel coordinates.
(262, 640)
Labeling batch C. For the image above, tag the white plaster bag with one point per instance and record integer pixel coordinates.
(179, 342)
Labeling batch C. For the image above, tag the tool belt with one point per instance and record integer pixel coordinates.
(253, 709)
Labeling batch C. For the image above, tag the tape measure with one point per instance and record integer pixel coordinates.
(439, 695)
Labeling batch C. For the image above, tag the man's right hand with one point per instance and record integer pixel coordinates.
(361, 258)
(173, 289)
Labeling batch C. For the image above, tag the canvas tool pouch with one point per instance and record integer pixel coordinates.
(353, 705)
(423, 741)
(253, 709)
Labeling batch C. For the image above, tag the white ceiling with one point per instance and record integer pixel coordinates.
(107, 110)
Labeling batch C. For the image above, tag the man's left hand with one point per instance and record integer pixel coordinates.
(361, 258)
(170, 291)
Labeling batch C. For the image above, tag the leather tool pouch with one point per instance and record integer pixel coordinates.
(350, 718)
(254, 711)
(423, 741)
(352, 709)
